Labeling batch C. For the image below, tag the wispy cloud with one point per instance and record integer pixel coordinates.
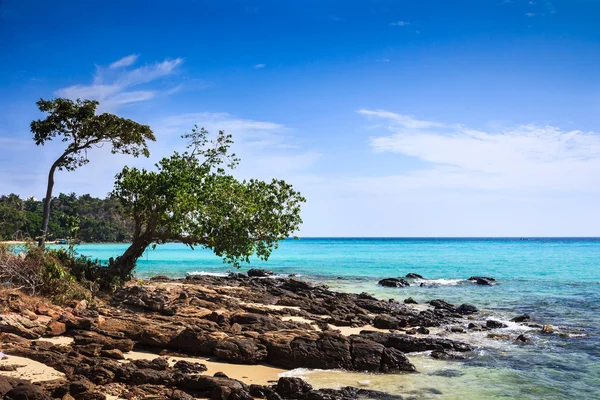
(530, 14)
(399, 23)
(524, 157)
(116, 85)
(259, 66)
(125, 61)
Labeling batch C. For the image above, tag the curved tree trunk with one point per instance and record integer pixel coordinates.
(47, 201)
(123, 266)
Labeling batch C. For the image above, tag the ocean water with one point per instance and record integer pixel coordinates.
(556, 281)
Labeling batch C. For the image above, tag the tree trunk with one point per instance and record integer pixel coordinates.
(123, 266)
(47, 201)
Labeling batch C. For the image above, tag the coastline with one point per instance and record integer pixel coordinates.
(255, 330)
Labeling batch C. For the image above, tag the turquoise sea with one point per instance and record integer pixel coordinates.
(555, 280)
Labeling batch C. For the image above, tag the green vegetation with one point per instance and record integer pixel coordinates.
(190, 198)
(84, 218)
(48, 273)
(76, 124)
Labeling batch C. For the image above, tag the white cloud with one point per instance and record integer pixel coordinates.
(399, 23)
(125, 61)
(112, 86)
(530, 14)
(526, 157)
(259, 66)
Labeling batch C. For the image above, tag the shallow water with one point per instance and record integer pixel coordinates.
(556, 281)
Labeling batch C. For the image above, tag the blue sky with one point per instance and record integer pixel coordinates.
(394, 118)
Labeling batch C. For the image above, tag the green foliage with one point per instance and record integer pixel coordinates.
(191, 198)
(85, 218)
(77, 124)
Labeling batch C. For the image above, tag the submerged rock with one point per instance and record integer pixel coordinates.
(482, 280)
(393, 282)
(492, 324)
(521, 318)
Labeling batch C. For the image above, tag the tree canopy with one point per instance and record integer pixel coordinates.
(78, 125)
(191, 198)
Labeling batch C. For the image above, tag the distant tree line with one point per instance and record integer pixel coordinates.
(85, 218)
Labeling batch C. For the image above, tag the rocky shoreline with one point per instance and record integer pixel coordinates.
(244, 320)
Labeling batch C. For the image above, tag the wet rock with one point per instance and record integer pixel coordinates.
(522, 339)
(410, 300)
(457, 329)
(466, 309)
(422, 330)
(410, 344)
(521, 318)
(447, 355)
(482, 280)
(259, 273)
(413, 276)
(547, 329)
(492, 324)
(443, 305)
(393, 360)
(292, 388)
(393, 282)
(498, 336)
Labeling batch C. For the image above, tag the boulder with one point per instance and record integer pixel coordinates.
(410, 300)
(259, 273)
(240, 351)
(21, 326)
(84, 338)
(492, 324)
(26, 391)
(387, 322)
(188, 367)
(55, 328)
(393, 282)
(443, 305)
(413, 276)
(292, 388)
(522, 339)
(466, 309)
(521, 318)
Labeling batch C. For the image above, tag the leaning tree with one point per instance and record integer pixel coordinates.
(78, 125)
(191, 198)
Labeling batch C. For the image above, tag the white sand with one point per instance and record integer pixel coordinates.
(259, 374)
(31, 370)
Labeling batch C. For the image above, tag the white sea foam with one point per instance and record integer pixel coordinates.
(440, 282)
(204, 273)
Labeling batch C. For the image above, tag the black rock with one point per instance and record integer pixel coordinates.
(522, 339)
(413, 276)
(466, 309)
(410, 300)
(441, 304)
(259, 273)
(393, 282)
(490, 323)
(292, 388)
(521, 318)
(482, 280)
